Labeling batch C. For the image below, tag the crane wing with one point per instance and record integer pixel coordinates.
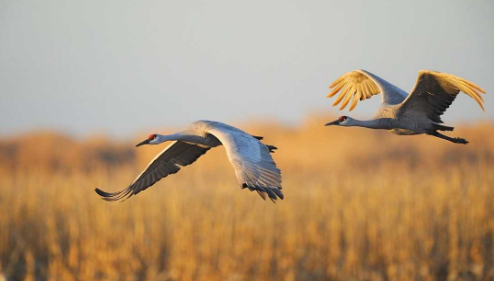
(168, 162)
(362, 85)
(435, 91)
(254, 167)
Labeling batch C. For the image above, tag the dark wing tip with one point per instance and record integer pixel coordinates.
(272, 192)
(102, 193)
(257, 137)
(114, 196)
(278, 192)
(271, 148)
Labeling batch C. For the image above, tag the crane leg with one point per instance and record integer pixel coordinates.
(444, 137)
(439, 127)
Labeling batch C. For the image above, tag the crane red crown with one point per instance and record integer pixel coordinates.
(151, 136)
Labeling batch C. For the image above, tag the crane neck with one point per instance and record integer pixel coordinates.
(372, 124)
(172, 137)
(182, 136)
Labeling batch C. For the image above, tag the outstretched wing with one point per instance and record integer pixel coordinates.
(168, 162)
(254, 167)
(362, 85)
(435, 91)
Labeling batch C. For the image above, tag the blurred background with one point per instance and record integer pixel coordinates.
(82, 82)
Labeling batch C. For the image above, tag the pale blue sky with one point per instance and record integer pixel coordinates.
(122, 67)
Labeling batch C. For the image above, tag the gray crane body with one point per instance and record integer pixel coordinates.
(254, 167)
(402, 113)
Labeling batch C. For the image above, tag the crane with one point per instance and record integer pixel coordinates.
(404, 114)
(254, 167)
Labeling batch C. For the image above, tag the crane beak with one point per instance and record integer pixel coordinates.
(146, 141)
(336, 122)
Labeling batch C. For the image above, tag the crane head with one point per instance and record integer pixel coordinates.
(149, 140)
(341, 121)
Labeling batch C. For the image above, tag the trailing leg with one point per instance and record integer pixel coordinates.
(439, 127)
(444, 137)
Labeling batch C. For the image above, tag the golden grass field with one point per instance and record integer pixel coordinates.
(359, 205)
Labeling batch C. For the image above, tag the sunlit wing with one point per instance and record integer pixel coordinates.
(435, 91)
(168, 162)
(360, 85)
(254, 167)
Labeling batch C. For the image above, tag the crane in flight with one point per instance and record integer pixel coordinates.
(254, 167)
(404, 114)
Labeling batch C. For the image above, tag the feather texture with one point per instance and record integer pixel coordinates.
(251, 159)
(435, 91)
(360, 85)
(167, 162)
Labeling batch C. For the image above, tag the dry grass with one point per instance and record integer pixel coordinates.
(360, 205)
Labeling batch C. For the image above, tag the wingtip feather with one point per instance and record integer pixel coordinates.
(450, 81)
(348, 96)
(336, 90)
(466, 87)
(338, 80)
(114, 196)
(342, 95)
(102, 193)
(273, 193)
(475, 86)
